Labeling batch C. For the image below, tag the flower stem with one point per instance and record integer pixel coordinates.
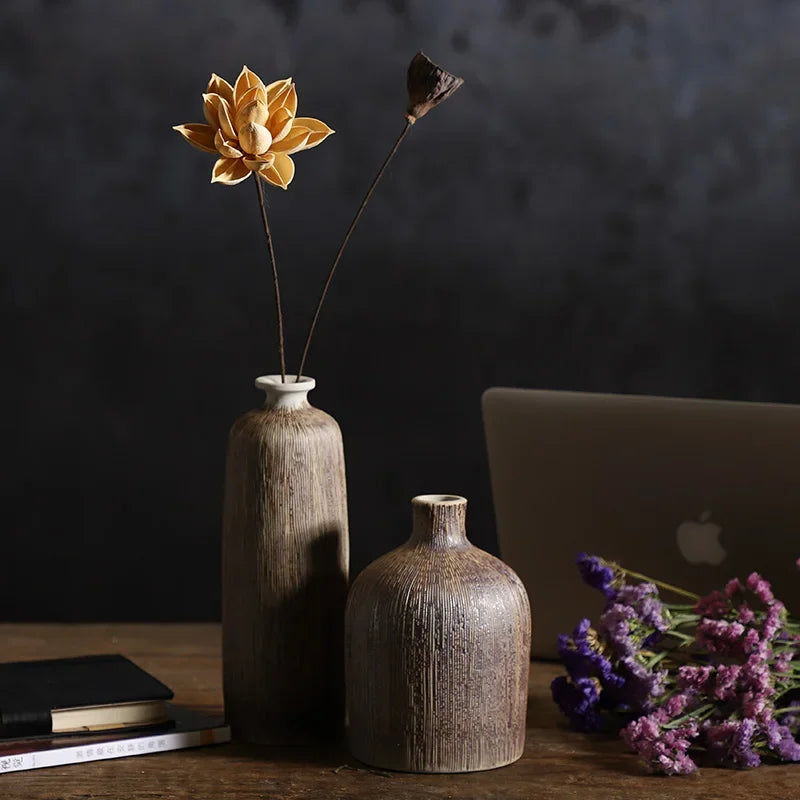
(661, 584)
(679, 635)
(699, 714)
(684, 619)
(275, 284)
(656, 659)
(344, 244)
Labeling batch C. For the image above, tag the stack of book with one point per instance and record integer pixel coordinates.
(69, 710)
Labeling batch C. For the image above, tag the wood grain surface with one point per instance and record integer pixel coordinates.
(437, 649)
(557, 763)
(284, 571)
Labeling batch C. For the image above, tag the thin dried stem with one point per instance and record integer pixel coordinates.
(669, 587)
(345, 241)
(276, 285)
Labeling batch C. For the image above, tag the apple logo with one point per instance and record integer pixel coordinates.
(698, 541)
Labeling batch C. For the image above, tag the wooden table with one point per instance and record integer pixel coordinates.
(557, 762)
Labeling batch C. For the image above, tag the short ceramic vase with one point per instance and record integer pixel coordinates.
(437, 651)
(284, 570)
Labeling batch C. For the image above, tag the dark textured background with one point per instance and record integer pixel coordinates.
(609, 203)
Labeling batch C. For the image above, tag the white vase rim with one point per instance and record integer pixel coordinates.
(438, 500)
(273, 383)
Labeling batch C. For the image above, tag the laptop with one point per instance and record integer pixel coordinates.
(691, 492)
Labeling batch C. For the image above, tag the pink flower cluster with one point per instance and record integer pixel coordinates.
(724, 701)
(663, 749)
(727, 683)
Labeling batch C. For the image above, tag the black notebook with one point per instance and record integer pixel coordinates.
(68, 695)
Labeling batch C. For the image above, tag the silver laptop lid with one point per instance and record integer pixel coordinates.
(691, 492)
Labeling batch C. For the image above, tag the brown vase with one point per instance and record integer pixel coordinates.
(437, 649)
(284, 570)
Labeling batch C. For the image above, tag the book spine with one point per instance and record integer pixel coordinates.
(100, 751)
(25, 723)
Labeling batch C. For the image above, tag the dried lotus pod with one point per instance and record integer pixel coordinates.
(428, 85)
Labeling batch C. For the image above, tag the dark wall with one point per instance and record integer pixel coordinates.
(609, 203)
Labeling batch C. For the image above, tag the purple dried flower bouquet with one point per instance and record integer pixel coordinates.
(712, 681)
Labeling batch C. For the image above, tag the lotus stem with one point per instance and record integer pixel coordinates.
(275, 283)
(345, 241)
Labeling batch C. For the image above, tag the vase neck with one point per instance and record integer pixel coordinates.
(285, 396)
(439, 521)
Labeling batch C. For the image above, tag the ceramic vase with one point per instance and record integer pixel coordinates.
(437, 649)
(284, 570)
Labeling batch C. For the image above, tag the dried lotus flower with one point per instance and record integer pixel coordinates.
(428, 85)
(253, 128)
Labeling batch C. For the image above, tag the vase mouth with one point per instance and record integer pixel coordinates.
(438, 500)
(273, 383)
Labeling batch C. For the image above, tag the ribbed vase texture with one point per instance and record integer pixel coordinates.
(437, 649)
(285, 567)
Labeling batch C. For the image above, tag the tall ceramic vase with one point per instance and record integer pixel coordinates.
(284, 570)
(437, 646)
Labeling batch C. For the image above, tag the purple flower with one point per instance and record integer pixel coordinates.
(749, 686)
(760, 588)
(726, 638)
(719, 635)
(695, 678)
(782, 661)
(730, 742)
(733, 587)
(643, 598)
(635, 619)
(750, 642)
(663, 749)
(578, 701)
(631, 593)
(641, 685)
(615, 624)
(582, 658)
(713, 605)
(790, 720)
(597, 573)
(745, 614)
(755, 675)
(781, 741)
(743, 753)
(623, 683)
(753, 704)
(727, 681)
(773, 622)
(677, 704)
(755, 684)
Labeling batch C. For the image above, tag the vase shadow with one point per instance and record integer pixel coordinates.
(305, 701)
(324, 756)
